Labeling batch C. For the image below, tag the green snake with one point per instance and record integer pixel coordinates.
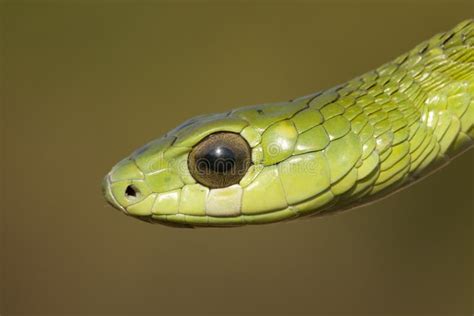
(333, 150)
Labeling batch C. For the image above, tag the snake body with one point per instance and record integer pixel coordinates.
(330, 151)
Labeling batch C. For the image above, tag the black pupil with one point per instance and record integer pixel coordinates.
(220, 159)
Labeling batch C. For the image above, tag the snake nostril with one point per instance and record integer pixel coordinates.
(131, 192)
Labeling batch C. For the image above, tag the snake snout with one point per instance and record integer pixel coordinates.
(107, 192)
(126, 189)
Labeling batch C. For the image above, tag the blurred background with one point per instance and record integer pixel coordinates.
(83, 83)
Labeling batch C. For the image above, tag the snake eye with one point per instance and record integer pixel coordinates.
(220, 160)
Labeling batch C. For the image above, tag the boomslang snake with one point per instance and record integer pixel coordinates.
(330, 151)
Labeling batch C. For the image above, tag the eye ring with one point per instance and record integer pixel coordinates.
(220, 160)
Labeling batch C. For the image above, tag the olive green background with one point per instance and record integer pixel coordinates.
(83, 83)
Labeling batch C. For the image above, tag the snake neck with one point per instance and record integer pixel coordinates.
(445, 80)
(411, 115)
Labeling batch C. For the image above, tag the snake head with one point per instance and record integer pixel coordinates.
(253, 165)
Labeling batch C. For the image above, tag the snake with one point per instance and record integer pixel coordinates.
(319, 154)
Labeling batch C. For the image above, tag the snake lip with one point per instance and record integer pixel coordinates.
(170, 224)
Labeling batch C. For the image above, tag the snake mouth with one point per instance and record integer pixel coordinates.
(195, 221)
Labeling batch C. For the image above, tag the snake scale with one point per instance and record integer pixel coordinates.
(334, 150)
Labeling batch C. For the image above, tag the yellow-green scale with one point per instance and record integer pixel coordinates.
(402, 120)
